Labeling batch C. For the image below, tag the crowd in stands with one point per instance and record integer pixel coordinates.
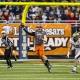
(47, 14)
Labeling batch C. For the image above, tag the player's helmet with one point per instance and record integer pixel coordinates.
(38, 28)
(75, 36)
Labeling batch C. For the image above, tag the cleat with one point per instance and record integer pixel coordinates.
(9, 67)
(74, 71)
(49, 68)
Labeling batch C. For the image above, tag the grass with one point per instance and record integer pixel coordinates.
(35, 70)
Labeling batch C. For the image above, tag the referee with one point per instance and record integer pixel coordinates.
(8, 48)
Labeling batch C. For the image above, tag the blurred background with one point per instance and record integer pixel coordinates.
(44, 13)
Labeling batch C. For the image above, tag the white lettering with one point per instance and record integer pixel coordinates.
(64, 41)
(24, 53)
(15, 31)
(58, 42)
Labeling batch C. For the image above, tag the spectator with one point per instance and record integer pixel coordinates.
(78, 9)
(38, 17)
(69, 10)
(77, 15)
(40, 11)
(72, 19)
(65, 15)
(34, 8)
(44, 17)
(52, 13)
(12, 14)
(10, 8)
(33, 19)
(59, 20)
(47, 11)
(57, 10)
(10, 20)
(17, 10)
(17, 17)
(1, 15)
(50, 19)
(5, 15)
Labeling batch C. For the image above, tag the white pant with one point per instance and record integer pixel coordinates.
(78, 54)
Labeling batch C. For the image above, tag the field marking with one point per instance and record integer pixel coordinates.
(30, 66)
(14, 68)
(40, 78)
(37, 74)
(37, 71)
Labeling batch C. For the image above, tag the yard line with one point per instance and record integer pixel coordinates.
(36, 74)
(38, 65)
(65, 66)
(37, 71)
(37, 68)
(41, 78)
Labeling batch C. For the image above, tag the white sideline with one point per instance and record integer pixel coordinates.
(40, 60)
(36, 74)
(40, 78)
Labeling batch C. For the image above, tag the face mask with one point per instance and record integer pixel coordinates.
(75, 39)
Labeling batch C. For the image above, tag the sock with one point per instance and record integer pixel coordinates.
(74, 68)
(7, 62)
(10, 63)
(47, 63)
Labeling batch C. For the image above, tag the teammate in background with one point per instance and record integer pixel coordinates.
(75, 44)
(39, 39)
(8, 48)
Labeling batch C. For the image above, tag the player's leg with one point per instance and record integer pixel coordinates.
(76, 61)
(44, 58)
(6, 57)
(9, 58)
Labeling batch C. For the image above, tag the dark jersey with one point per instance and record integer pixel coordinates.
(6, 41)
(38, 36)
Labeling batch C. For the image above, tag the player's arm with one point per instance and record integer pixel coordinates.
(32, 33)
(69, 51)
(11, 44)
(2, 42)
(45, 38)
(70, 48)
(23, 27)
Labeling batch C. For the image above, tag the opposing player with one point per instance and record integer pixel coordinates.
(39, 39)
(75, 44)
(8, 48)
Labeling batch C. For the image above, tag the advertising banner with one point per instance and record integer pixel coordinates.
(58, 36)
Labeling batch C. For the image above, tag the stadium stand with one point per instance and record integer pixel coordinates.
(49, 14)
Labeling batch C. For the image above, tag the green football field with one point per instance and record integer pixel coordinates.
(35, 70)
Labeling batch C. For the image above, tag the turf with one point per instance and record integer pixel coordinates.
(35, 70)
